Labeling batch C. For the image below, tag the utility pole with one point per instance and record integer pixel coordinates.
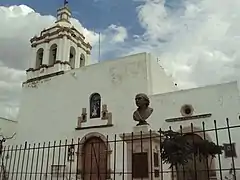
(99, 46)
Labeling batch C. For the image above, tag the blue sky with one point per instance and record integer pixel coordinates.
(97, 14)
(196, 41)
(93, 14)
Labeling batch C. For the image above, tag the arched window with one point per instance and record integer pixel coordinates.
(39, 58)
(72, 56)
(82, 60)
(95, 105)
(53, 54)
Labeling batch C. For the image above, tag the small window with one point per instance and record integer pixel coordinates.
(156, 160)
(82, 60)
(72, 56)
(230, 150)
(187, 110)
(39, 58)
(156, 173)
(71, 150)
(53, 54)
(95, 106)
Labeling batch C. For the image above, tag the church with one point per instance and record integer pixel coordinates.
(66, 96)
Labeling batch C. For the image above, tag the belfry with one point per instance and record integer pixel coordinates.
(58, 48)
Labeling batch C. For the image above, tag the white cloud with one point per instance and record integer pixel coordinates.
(199, 45)
(118, 33)
(18, 25)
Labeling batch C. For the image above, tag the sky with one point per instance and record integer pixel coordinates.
(196, 41)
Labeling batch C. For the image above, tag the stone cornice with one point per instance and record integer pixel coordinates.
(71, 35)
(59, 28)
(94, 127)
(47, 66)
(189, 117)
(43, 77)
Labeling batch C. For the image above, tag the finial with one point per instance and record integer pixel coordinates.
(65, 2)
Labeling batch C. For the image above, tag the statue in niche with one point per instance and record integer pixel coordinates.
(143, 112)
(95, 106)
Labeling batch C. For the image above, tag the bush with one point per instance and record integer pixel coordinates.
(176, 150)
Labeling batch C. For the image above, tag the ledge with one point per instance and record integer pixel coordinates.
(186, 118)
(48, 66)
(92, 127)
(44, 35)
(44, 77)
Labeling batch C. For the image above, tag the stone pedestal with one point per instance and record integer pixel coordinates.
(143, 153)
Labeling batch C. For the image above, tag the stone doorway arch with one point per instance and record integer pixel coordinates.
(94, 157)
(199, 166)
(196, 168)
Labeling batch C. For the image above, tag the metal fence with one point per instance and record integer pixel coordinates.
(136, 155)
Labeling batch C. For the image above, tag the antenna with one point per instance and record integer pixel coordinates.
(99, 47)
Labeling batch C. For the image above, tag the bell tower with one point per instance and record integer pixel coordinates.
(58, 49)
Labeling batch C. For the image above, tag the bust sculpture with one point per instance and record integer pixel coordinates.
(143, 111)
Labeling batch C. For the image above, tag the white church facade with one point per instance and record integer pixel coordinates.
(65, 96)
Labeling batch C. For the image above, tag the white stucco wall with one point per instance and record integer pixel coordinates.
(158, 80)
(222, 101)
(214, 99)
(55, 104)
(50, 110)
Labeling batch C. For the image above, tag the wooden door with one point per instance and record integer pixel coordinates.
(94, 159)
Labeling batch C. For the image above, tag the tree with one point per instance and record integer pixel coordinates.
(3, 171)
(177, 151)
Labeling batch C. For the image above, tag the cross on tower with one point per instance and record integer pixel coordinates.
(65, 2)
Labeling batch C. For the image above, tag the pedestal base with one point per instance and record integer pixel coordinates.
(142, 128)
(143, 148)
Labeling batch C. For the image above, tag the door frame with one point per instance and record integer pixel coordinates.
(80, 153)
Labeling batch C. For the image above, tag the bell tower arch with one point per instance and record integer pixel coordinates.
(58, 49)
